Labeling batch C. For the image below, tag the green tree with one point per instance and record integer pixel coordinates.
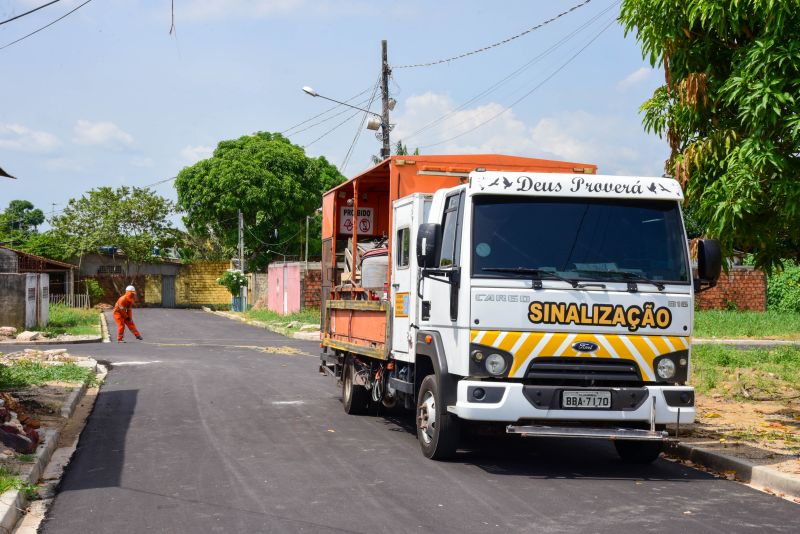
(270, 180)
(19, 221)
(133, 219)
(49, 244)
(730, 111)
(399, 150)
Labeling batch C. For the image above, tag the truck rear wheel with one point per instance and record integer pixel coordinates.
(355, 398)
(638, 452)
(438, 430)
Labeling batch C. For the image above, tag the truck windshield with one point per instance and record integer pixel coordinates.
(581, 239)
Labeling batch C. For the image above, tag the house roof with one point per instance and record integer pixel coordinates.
(33, 259)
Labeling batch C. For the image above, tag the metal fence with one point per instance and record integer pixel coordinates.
(72, 300)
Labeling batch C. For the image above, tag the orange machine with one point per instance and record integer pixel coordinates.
(355, 320)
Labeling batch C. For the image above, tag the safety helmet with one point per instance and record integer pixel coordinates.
(130, 288)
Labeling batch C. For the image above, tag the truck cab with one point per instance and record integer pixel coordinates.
(554, 304)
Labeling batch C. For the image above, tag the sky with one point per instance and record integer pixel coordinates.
(108, 97)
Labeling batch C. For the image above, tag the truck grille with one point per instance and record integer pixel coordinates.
(571, 370)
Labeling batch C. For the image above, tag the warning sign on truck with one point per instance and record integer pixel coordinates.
(365, 221)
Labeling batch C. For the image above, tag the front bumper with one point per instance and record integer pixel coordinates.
(508, 402)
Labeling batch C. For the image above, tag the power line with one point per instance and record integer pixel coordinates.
(28, 12)
(360, 129)
(359, 104)
(331, 130)
(526, 95)
(513, 74)
(494, 45)
(323, 113)
(68, 13)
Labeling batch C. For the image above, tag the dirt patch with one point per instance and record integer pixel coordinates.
(281, 350)
(765, 433)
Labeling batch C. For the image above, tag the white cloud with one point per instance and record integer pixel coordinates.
(63, 164)
(142, 161)
(636, 77)
(24, 139)
(100, 133)
(193, 154)
(618, 145)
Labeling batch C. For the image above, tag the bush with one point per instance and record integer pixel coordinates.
(95, 291)
(783, 288)
(232, 280)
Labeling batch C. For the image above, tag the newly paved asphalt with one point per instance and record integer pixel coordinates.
(216, 435)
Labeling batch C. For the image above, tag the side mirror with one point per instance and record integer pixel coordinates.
(428, 237)
(709, 261)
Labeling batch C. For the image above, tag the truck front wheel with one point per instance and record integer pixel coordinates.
(638, 452)
(355, 398)
(437, 429)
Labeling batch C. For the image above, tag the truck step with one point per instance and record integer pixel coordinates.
(587, 432)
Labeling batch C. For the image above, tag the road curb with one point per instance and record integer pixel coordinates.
(14, 501)
(72, 401)
(104, 332)
(305, 336)
(93, 339)
(761, 476)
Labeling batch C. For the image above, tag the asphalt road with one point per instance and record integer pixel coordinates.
(198, 429)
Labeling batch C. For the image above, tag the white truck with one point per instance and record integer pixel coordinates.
(555, 304)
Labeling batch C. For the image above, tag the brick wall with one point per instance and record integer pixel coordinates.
(152, 290)
(743, 286)
(312, 288)
(196, 284)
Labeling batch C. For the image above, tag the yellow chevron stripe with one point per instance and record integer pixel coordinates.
(639, 349)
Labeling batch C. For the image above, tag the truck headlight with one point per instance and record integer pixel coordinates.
(665, 369)
(495, 364)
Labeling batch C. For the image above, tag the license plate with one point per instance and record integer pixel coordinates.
(586, 399)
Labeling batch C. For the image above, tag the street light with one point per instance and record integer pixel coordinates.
(374, 122)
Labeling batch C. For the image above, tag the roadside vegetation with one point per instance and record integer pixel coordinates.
(23, 374)
(770, 373)
(292, 322)
(746, 324)
(75, 321)
(9, 480)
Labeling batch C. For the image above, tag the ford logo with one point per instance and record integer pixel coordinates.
(585, 346)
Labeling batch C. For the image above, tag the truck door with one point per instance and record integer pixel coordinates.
(403, 294)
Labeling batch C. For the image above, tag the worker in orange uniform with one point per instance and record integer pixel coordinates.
(123, 314)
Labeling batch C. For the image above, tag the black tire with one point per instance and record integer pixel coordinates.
(638, 452)
(440, 439)
(354, 398)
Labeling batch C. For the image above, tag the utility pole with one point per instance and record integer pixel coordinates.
(385, 72)
(307, 218)
(242, 294)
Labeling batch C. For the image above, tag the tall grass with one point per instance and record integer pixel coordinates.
(743, 324)
(66, 320)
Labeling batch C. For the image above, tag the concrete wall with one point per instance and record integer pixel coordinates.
(284, 287)
(257, 289)
(152, 290)
(8, 261)
(743, 288)
(24, 300)
(91, 263)
(196, 285)
(12, 299)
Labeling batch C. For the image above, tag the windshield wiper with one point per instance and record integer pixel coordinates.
(536, 272)
(628, 275)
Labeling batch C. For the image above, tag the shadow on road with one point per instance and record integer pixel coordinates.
(99, 458)
(546, 458)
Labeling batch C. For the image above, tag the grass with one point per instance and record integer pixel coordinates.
(307, 316)
(747, 324)
(24, 374)
(9, 480)
(76, 321)
(764, 373)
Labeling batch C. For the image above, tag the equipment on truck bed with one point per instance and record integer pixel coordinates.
(529, 293)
